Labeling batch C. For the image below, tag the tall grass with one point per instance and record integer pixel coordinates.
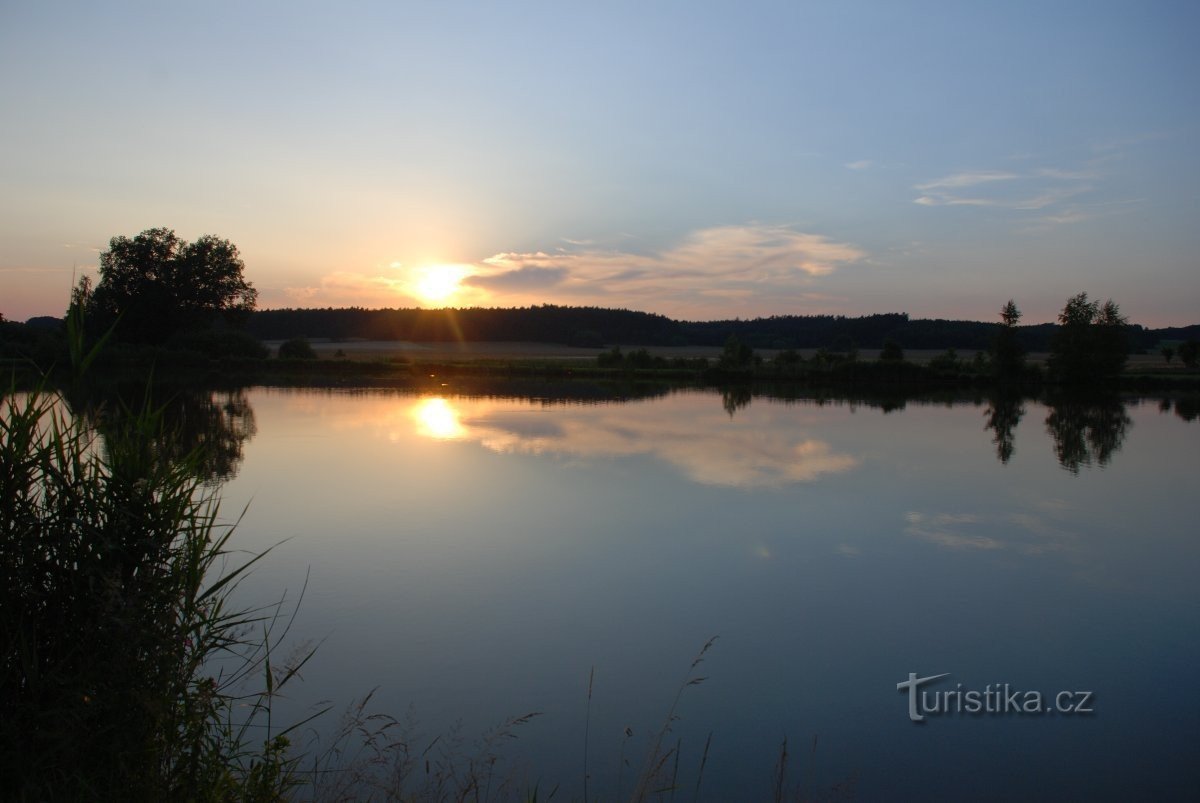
(123, 667)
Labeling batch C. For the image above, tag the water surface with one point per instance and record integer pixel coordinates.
(477, 557)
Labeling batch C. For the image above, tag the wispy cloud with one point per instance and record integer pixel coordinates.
(968, 179)
(1078, 213)
(1030, 191)
(1025, 533)
(702, 273)
(526, 277)
(861, 164)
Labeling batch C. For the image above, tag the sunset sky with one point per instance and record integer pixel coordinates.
(699, 159)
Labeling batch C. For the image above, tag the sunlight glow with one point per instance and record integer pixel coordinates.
(436, 418)
(437, 284)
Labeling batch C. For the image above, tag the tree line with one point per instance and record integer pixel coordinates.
(598, 327)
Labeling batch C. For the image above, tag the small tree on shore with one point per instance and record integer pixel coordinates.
(891, 351)
(1188, 352)
(736, 354)
(1008, 355)
(1090, 343)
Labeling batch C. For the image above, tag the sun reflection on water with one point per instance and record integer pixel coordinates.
(437, 418)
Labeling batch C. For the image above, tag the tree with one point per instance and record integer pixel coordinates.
(735, 355)
(1089, 343)
(1008, 355)
(1188, 352)
(156, 285)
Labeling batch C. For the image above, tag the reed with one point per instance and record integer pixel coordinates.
(125, 671)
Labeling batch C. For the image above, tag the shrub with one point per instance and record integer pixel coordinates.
(296, 349)
(891, 351)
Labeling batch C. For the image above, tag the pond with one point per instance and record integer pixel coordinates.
(474, 558)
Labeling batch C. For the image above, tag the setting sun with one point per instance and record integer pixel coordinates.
(437, 284)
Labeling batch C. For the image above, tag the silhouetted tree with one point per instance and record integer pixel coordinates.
(1008, 356)
(891, 351)
(156, 284)
(1188, 352)
(1168, 353)
(1089, 344)
(736, 354)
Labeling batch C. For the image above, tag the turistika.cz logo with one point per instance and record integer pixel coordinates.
(993, 699)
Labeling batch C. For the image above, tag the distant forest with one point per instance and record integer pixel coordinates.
(597, 327)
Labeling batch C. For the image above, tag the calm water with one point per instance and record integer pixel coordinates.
(476, 557)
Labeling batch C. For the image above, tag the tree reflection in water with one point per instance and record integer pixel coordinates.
(1086, 429)
(207, 427)
(1004, 412)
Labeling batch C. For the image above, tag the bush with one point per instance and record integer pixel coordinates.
(296, 349)
(891, 351)
(946, 363)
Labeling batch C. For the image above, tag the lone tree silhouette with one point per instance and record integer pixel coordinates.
(1008, 355)
(156, 285)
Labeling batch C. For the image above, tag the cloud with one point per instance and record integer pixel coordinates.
(1024, 533)
(528, 277)
(959, 180)
(721, 271)
(861, 164)
(1031, 191)
(716, 271)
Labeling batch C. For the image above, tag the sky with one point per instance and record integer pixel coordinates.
(704, 160)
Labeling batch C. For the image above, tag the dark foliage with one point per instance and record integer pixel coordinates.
(1007, 351)
(297, 349)
(891, 351)
(595, 326)
(156, 285)
(1090, 344)
(1188, 352)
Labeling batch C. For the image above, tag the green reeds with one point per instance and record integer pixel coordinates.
(124, 669)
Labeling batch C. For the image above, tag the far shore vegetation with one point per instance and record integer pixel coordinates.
(185, 309)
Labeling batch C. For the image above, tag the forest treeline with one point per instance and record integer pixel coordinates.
(597, 326)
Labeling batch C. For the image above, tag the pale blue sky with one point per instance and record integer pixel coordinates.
(697, 159)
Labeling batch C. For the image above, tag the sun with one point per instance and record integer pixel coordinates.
(438, 284)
